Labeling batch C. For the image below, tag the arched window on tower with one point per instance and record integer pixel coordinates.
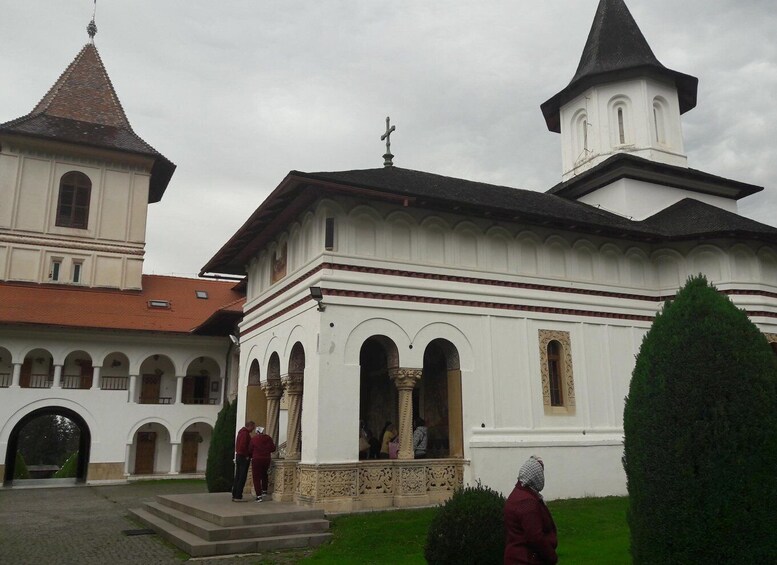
(582, 145)
(659, 121)
(75, 191)
(620, 121)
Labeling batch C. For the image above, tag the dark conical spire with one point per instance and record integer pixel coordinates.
(616, 49)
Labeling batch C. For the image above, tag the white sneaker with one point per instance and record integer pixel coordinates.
(258, 499)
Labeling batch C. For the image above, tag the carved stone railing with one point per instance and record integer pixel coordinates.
(362, 485)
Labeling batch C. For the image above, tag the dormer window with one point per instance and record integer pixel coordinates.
(161, 304)
(75, 191)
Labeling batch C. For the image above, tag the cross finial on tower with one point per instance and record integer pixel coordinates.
(387, 137)
(91, 29)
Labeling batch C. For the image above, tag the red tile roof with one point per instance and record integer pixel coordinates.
(95, 308)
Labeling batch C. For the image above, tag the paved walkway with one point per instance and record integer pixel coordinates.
(84, 526)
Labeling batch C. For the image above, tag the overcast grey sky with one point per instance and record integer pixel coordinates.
(238, 93)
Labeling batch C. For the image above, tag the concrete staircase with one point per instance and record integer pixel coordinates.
(211, 524)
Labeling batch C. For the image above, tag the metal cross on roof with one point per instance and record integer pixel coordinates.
(91, 29)
(387, 136)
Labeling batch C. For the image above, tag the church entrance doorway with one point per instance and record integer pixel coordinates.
(50, 440)
(144, 453)
(256, 399)
(189, 451)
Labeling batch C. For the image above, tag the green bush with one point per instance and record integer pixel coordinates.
(700, 425)
(221, 467)
(20, 467)
(69, 468)
(468, 529)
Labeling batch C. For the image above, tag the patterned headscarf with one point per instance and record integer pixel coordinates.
(532, 474)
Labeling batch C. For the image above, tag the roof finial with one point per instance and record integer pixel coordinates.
(388, 156)
(91, 29)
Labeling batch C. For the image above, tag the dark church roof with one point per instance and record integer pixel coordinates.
(405, 187)
(625, 165)
(82, 108)
(616, 50)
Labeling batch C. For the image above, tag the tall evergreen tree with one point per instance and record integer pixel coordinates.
(700, 426)
(221, 467)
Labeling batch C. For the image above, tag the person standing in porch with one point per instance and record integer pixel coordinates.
(262, 447)
(242, 460)
(530, 533)
(386, 436)
(420, 439)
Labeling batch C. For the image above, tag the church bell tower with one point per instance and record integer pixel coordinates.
(620, 100)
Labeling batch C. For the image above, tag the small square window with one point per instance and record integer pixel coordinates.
(203, 294)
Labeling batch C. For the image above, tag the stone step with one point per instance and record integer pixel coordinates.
(212, 532)
(199, 547)
(219, 509)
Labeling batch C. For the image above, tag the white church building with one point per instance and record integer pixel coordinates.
(508, 319)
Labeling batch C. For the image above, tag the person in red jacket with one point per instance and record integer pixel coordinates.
(242, 459)
(262, 446)
(530, 534)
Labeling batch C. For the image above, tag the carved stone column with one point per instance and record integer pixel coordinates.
(293, 384)
(273, 391)
(405, 380)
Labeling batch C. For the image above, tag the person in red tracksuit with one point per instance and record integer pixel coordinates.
(242, 460)
(262, 446)
(530, 533)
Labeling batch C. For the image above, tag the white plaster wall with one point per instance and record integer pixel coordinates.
(115, 236)
(638, 200)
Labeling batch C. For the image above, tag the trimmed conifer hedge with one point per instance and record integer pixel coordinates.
(221, 454)
(700, 425)
(20, 470)
(69, 468)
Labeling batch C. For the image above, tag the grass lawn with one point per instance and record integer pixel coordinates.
(590, 530)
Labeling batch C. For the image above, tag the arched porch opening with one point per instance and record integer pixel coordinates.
(77, 371)
(114, 374)
(158, 381)
(6, 368)
(293, 385)
(37, 371)
(437, 399)
(256, 399)
(378, 398)
(51, 429)
(202, 384)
